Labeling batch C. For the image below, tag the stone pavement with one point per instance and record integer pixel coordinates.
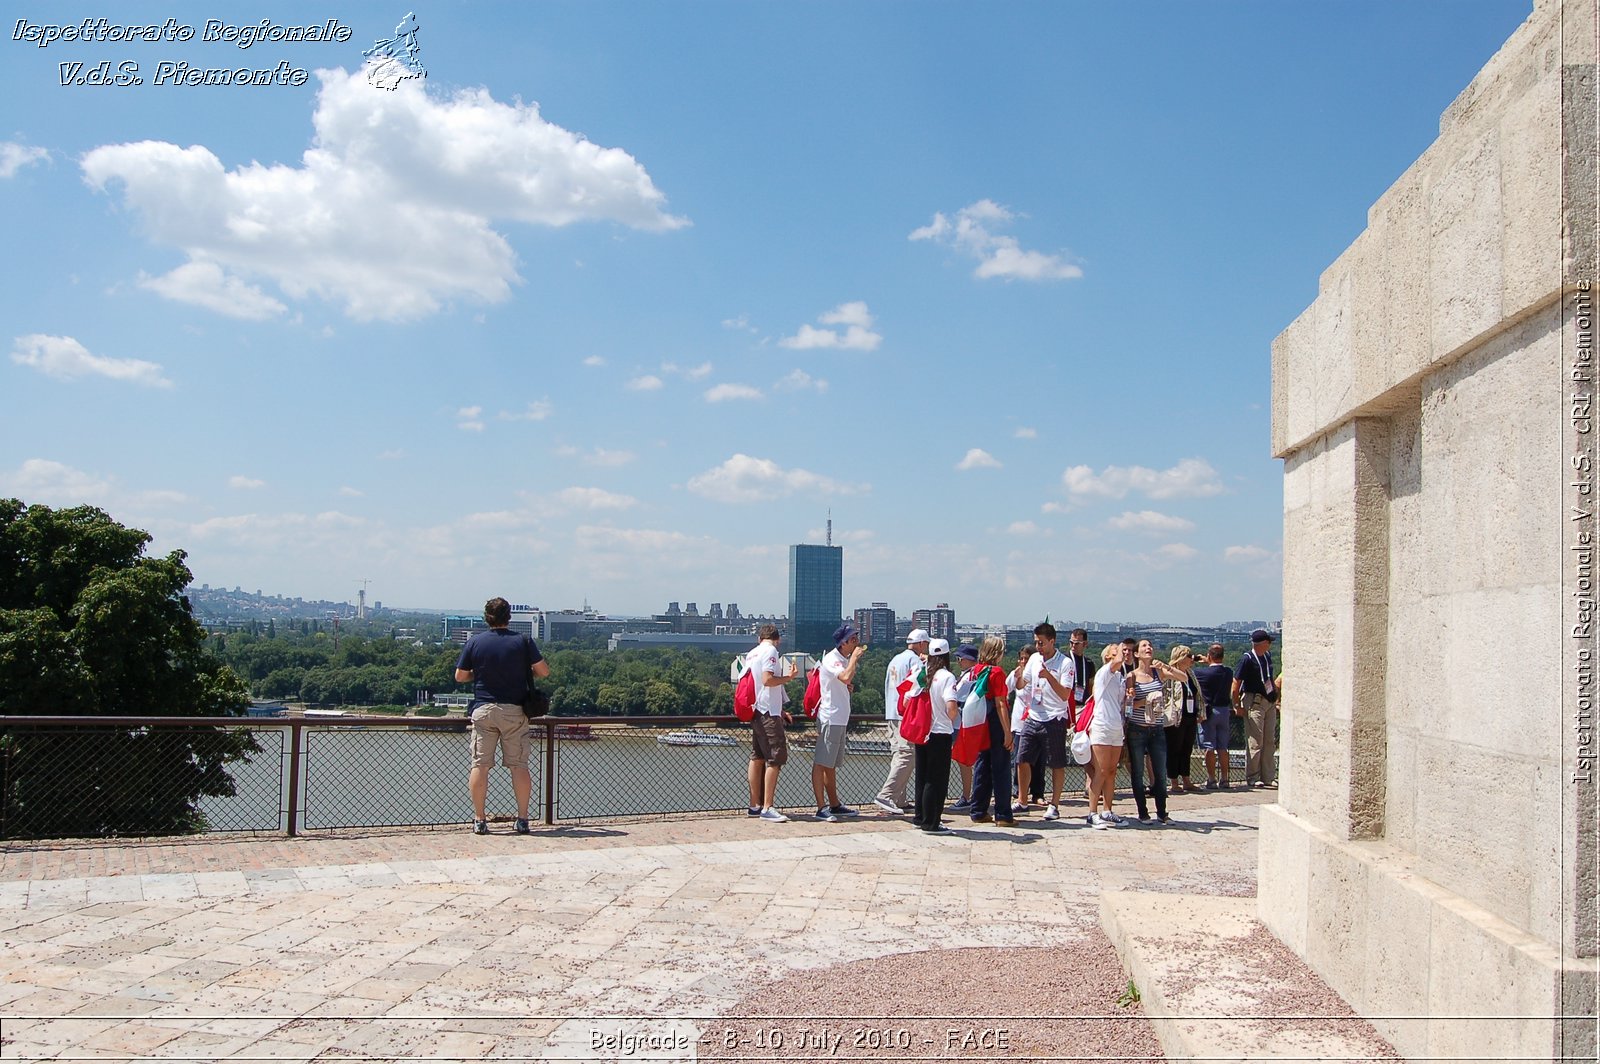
(436, 944)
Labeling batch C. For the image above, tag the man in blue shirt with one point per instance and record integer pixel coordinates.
(499, 664)
(1255, 692)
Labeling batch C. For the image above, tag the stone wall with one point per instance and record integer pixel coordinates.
(1433, 851)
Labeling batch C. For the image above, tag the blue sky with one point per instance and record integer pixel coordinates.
(621, 299)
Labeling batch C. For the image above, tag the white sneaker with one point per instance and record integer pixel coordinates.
(1098, 821)
(1051, 813)
(887, 806)
(772, 816)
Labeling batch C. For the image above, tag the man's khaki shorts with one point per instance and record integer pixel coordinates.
(768, 742)
(502, 724)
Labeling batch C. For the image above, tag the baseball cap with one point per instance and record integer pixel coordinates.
(967, 651)
(1261, 635)
(843, 633)
(917, 635)
(938, 646)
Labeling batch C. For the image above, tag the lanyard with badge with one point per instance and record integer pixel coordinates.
(1264, 670)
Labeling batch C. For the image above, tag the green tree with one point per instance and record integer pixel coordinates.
(90, 627)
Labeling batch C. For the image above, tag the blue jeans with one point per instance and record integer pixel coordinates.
(992, 773)
(1145, 739)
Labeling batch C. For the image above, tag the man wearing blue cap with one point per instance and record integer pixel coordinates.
(836, 675)
(1255, 697)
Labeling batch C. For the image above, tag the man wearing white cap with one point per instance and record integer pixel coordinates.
(892, 798)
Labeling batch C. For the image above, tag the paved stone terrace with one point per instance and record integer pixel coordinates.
(440, 945)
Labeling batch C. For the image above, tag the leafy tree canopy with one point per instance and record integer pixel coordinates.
(90, 626)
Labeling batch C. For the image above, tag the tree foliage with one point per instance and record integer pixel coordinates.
(90, 627)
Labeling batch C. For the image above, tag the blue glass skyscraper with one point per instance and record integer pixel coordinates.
(816, 597)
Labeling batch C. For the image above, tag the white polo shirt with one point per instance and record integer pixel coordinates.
(765, 661)
(1043, 702)
(834, 708)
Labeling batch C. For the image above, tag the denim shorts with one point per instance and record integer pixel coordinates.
(1216, 729)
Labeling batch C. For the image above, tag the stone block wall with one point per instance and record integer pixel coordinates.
(1433, 851)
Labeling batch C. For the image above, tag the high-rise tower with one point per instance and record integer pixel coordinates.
(816, 595)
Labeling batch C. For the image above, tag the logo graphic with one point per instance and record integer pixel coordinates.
(397, 59)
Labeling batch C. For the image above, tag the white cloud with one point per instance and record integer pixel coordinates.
(470, 426)
(594, 499)
(349, 492)
(40, 480)
(1026, 434)
(66, 359)
(536, 411)
(1240, 555)
(857, 334)
(646, 383)
(723, 393)
(972, 232)
(746, 479)
(799, 380)
(469, 411)
(1177, 552)
(978, 458)
(600, 456)
(692, 373)
(741, 323)
(594, 360)
(1190, 478)
(14, 156)
(204, 284)
(1150, 521)
(392, 455)
(390, 213)
(244, 483)
(1023, 528)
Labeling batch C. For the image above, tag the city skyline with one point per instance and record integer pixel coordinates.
(539, 306)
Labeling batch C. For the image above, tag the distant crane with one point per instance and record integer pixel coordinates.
(361, 600)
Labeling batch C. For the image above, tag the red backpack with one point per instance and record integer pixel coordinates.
(744, 696)
(813, 696)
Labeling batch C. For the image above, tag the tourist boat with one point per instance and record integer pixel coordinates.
(576, 733)
(696, 738)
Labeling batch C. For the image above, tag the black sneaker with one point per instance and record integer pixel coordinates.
(480, 827)
(522, 825)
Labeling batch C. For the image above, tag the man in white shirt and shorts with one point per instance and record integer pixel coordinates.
(838, 673)
(769, 746)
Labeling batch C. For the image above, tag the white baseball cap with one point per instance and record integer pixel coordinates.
(938, 646)
(917, 636)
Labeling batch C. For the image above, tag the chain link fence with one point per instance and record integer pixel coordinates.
(67, 777)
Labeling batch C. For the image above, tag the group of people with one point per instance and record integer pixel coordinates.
(1128, 705)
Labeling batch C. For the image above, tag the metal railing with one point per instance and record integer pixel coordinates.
(137, 776)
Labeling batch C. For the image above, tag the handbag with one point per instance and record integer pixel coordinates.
(1172, 712)
(1081, 753)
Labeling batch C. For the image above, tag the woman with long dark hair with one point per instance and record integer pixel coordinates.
(933, 756)
(1144, 719)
